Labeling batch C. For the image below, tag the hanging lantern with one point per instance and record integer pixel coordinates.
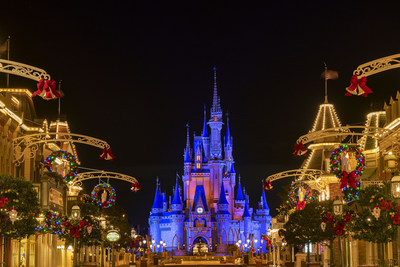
(395, 186)
(89, 229)
(323, 226)
(338, 207)
(13, 214)
(376, 212)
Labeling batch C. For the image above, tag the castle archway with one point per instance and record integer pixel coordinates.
(200, 245)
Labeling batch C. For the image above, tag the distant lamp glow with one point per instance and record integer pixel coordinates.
(13, 215)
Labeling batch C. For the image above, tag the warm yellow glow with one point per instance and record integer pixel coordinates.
(197, 165)
(316, 146)
(15, 100)
(393, 124)
(14, 90)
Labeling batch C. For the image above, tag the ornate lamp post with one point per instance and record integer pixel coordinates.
(75, 216)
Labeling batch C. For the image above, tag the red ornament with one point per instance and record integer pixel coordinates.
(300, 205)
(107, 154)
(135, 187)
(267, 185)
(299, 150)
(360, 85)
(348, 179)
(47, 90)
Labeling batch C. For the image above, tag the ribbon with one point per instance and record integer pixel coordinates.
(360, 85)
(300, 205)
(348, 179)
(107, 154)
(135, 187)
(339, 228)
(47, 90)
(299, 150)
(74, 231)
(268, 185)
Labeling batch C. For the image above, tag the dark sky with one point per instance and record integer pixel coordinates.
(135, 72)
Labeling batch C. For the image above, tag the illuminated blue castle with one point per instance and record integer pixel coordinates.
(210, 216)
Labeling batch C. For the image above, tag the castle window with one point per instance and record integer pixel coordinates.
(198, 158)
(197, 165)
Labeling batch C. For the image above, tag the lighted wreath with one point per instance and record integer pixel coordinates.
(104, 195)
(347, 159)
(64, 162)
(309, 194)
(52, 223)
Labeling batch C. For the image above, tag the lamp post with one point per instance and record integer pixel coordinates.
(75, 216)
(338, 211)
(395, 188)
(103, 227)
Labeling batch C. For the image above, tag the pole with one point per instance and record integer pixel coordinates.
(102, 254)
(340, 251)
(75, 255)
(8, 58)
(59, 101)
(112, 255)
(326, 84)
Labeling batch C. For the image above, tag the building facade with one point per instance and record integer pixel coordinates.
(208, 211)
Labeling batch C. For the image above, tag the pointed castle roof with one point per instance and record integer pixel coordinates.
(187, 149)
(177, 197)
(239, 194)
(200, 195)
(158, 200)
(264, 201)
(246, 212)
(326, 118)
(228, 139)
(205, 133)
(216, 106)
(222, 196)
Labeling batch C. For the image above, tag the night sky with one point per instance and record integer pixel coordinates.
(135, 72)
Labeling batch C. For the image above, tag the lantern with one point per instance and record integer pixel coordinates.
(391, 162)
(323, 226)
(13, 215)
(76, 212)
(376, 212)
(395, 186)
(338, 207)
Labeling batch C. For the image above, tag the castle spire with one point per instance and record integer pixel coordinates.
(239, 194)
(157, 204)
(264, 201)
(205, 133)
(246, 212)
(228, 140)
(222, 196)
(177, 197)
(216, 107)
(187, 149)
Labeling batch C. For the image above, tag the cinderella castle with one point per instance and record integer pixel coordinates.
(211, 213)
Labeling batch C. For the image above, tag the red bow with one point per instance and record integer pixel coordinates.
(359, 84)
(328, 219)
(300, 205)
(299, 150)
(339, 228)
(135, 187)
(3, 201)
(47, 90)
(348, 178)
(74, 231)
(107, 154)
(267, 185)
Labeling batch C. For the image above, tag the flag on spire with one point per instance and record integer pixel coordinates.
(330, 75)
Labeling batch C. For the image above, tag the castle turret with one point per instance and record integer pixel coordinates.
(223, 216)
(246, 221)
(155, 215)
(215, 124)
(177, 218)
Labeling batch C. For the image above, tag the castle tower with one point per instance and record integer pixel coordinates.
(215, 124)
(246, 221)
(155, 215)
(177, 218)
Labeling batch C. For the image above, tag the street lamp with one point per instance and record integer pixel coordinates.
(75, 215)
(338, 211)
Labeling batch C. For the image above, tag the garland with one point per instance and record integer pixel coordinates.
(63, 155)
(309, 194)
(268, 241)
(111, 195)
(76, 229)
(336, 223)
